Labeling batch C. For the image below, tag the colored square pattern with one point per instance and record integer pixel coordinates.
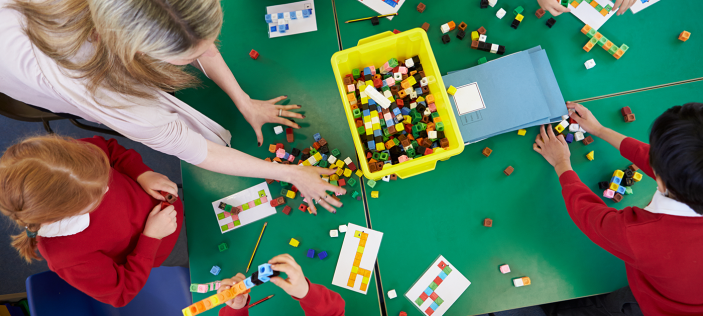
(430, 291)
(356, 270)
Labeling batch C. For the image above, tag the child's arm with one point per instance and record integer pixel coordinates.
(125, 161)
(638, 153)
(234, 306)
(321, 301)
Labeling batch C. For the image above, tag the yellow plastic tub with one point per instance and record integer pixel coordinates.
(378, 49)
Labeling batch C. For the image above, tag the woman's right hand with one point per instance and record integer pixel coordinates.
(585, 118)
(161, 223)
(307, 180)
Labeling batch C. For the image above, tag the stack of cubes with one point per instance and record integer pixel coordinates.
(278, 22)
(619, 184)
(478, 41)
(597, 38)
(395, 113)
(518, 17)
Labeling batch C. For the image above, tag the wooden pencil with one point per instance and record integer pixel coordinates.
(371, 17)
(257, 246)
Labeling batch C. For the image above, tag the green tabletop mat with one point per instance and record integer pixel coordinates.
(442, 212)
(656, 56)
(297, 66)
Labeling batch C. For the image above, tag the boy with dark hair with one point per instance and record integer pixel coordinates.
(662, 244)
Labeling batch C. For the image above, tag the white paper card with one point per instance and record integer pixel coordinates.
(468, 99)
(357, 258)
(452, 285)
(228, 221)
(588, 14)
(382, 7)
(639, 5)
(299, 25)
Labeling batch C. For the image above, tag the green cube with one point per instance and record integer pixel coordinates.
(257, 202)
(410, 152)
(223, 227)
(356, 113)
(447, 270)
(482, 60)
(351, 182)
(323, 164)
(602, 41)
(599, 7)
(361, 130)
(336, 153)
(376, 155)
(194, 287)
(237, 223)
(262, 193)
(384, 156)
(415, 144)
(433, 286)
(628, 190)
(371, 183)
(624, 47)
(228, 208)
(313, 151)
(518, 10)
(613, 49)
(396, 141)
(435, 115)
(334, 183)
(383, 123)
(245, 207)
(565, 3)
(355, 194)
(222, 247)
(393, 63)
(221, 216)
(356, 73)
(284, 191)
(609, 8)
(439, 301)
(591, 33)
(593, 40)
(439, 126)
(578, 1)
(418, 301)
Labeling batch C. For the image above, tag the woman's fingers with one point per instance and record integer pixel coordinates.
(278, 99)
(286, 122)
(292, 114)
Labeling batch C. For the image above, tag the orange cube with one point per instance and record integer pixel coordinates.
(598, 36)
(526, 281)
(451, 25)
(607, 45)
(429, 98)
(618, 54)
(684, 36)
(588, 46)
(604, 12)
(586, 28)
(574, 4)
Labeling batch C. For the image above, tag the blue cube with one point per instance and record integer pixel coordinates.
(322, 255)
(215, 270)
(621, 190)
(273, 29)
(396, 111)
(367, 70)
(405, 111)
(371, 144)
(268, 18)
(569, 138)
(377, 133)
(390, 122)
(372, 102)
(311, 253)
(306, 13)
(317, 137)
(418, 91)
(293, 16)
(281, 29)
(280, 15)
(265, 270)
(248, 283)
(366, 113)
(286, 156)
(616, 180)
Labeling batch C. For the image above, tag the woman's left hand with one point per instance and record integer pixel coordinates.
(258, 113)
(153, 182)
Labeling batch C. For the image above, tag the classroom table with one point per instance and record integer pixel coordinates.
(297, 66)
(655, 57)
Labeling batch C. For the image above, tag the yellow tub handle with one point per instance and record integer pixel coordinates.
(375, 37)
(415, 170)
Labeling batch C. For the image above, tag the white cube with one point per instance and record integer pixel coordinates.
(286, 15)
(427, 112)
(494, 48)
(578, 136)
(332, 159)
(278, 129)
(564, 123)
(518, 282)
(424, 82)
(347, 161)
(342, 228)
(387, 94)
(445, 28)
(408, 91)
(565, 117)
(482, 38)
(409, 63)
(391, 294)
(492, 3)
(397, 76)
(432, 134)
(590, 63)
(299, 14)
(501, 13)
(574, 128)
(375, 120)
(387, 178)
(334, 233)
(413, 105)
(582, 130)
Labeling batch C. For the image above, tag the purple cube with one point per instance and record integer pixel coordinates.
(569, 138)
(322, 255)
(311, 253)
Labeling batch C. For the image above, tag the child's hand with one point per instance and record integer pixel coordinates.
(295, 285)
(153, 182)
(554, 149)
(623, 5)
(161, 223)
(553, 6)
(240, 300)
(308, 181)
(585, 118)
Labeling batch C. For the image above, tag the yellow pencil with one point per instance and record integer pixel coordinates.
(369, 18)
(257, 246)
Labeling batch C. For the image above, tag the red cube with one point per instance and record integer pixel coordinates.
(273, 203)
(303, 207)
(341, 182)
(286, 210)
(253, 54)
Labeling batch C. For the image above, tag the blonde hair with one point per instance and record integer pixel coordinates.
(130, 39)
(46, 179)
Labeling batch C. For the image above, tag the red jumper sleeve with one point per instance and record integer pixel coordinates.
(126, 161)
(605, 226)
(638, 153)
(228, 311)
(100, 277)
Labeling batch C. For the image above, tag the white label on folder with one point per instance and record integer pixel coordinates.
(468, 99)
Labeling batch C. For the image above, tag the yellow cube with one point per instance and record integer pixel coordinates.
(293, 242)
(380, 147)
(412, 80)
(420, 99)
(559, 128)
(290, 194)
(306, 163)
(367, 119)
(522, 132)
(359, 173)
(365, 280)
(374, 113)
(374, 194)
(376, 126)
(186, 311)
(347, 172)
(618, 173)
(339, 163)
(357, 234)
(318, 156)
(519, 17)
(451, 90)
(399, 127)
(614, 186)
(340, 171)
(474, 36)
(637, 177)
(365, 100)
(215, 301)
(334, 177)
(591, 156)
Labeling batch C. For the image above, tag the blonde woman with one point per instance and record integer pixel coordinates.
(114, 62)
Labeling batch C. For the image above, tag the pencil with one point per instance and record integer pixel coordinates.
(259, 301)
(257, 246)
(371, 17)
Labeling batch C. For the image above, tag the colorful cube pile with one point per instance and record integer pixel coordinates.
(395, 113)
(620, 183)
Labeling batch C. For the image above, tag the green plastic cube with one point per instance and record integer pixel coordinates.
(628, 190)
(334, 183)
(591, 33)
(613, 49)
(602, 41)
(356, 113)
(393, 63)
(578, 1)
(518, 10)
(439, 126)
(482, 60)
(410, 152)
(371, 183)
(361, 130)
(447, 270)
(222, 247)
(262, 193)
(257, 202)
(376, 155)
(245, 207)
(439, 301)
(221, 216)
(351, 182)
(565, 3)
(433, 286)
(228, 208)
(624, 47)
(237, 223)
(313, 151)
(609, 8)
(323, 164)
(223, 227)
(284, 191)
(355, 194)
(285, 184)
(356, 73)
(336, 153)
(384, 156)
(593, 40)
(194, 287)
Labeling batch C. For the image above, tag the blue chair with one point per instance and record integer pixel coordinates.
(166, 292)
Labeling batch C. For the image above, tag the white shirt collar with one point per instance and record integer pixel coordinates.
(664, 205)
(66, 227)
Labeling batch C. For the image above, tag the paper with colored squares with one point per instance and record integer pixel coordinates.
(438, 288)
(243, 207)
(357, 258)
(592, 12)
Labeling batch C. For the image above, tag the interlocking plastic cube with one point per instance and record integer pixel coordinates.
(505, 269)
(215, 270)
(451, 90)
(392, 294)
(342, 228)
(518, 282)
(322, 255)
(222, 247)
(293, 242)
(311, 253)
(374, 194)
(265, 270)
(608, 194)
(590, 63)
(501, 13)
(334, 233)
(522, 132)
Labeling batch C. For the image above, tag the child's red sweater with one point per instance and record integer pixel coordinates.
(320, 301)
(663, 253)
(111, 259)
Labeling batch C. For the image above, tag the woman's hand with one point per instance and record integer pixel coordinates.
(295, 285)
(585, 118)
(307, 180)
(258, 113)
(554, 149)
(240, 300)
(623, 5)
(153, 182)
(553, 6)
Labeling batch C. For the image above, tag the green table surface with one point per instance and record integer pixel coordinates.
(297, 66)
(442, 212)
(656, 56)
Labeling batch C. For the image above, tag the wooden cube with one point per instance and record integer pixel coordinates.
(487, 151)
(509, 170)
(488, 222)
(587, 140)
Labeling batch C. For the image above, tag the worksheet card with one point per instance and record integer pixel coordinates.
(641, 5)
(357, 258)
(592, 12)
(243, 207)
(438, 288)
(299, 25)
